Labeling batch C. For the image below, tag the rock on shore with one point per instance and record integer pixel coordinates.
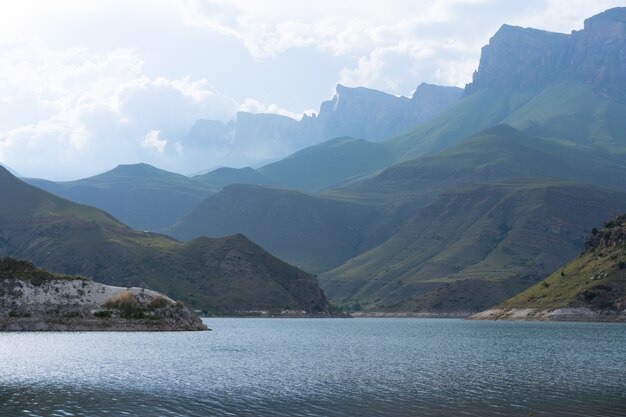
(35, 300)
(558, 314)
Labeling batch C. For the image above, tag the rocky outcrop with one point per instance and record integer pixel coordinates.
(34, 300)
(519, 58)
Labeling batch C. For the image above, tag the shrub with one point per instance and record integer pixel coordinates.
(622, 265)
(127, 305)
(544, 284)
(158, 302)
(102, 314)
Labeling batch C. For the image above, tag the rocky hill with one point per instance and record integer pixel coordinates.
(592, 287)
(32, 299)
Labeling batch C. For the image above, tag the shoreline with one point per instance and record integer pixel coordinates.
(564, 314)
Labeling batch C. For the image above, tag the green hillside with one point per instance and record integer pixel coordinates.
(222, 177)
(145, 197)
(328, 164)
(478, 236)
(314, 233)
(219, 275)
(497, 153)
(596, 279)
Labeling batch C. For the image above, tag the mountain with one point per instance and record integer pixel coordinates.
(328, 164)
(568, 87)
(356, 112)
(590, 287)
(34, 300)
(496, 153)
(221, 177)
(474, 246)
(314, 233)
(215, 275)
(145, 197)
(373, 115)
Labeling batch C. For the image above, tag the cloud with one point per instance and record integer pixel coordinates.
(254, 106)
(152, 141)
(74, 102)
(82, 112)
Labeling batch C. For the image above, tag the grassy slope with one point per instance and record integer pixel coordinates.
(567, 110)
(140, 195)
(494, 232)
(314, 233)
(328, 164)
(222, 177)
(595, 279)
(211, 274)
(497, 153)
(578, 112)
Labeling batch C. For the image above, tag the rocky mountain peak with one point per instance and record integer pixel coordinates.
(519, 58)
(610, 24)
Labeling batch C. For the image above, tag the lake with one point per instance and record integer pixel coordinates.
(321, 367)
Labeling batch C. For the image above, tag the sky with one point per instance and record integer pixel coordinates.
(88, 85)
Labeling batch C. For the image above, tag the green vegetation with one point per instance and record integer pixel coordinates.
(314, 233)
(11, 268)
(127, 305)
(222, 177)
(328, 164)
(595, 279)
(478, 236)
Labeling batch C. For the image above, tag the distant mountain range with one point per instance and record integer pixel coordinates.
(355, 112)
(453, 209)
(216, 275)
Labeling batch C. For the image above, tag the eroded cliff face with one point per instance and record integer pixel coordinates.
(521, 58)
(34, 300)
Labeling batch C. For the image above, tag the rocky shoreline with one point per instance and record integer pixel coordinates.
(581, 314)
(30, 300)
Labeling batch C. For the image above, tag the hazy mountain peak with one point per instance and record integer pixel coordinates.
(521, 58)
(608, 24)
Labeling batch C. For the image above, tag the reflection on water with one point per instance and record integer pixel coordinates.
(319, 367)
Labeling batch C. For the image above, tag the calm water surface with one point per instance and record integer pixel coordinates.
(319, 367)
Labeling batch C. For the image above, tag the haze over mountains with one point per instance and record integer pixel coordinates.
(357, 112)
(445, 202)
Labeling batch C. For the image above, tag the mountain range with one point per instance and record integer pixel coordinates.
(215, 275)
(356, 112)
(453, 209)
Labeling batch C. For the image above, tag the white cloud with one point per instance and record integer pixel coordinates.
(152, 141)
(254, 106)
(88, 112)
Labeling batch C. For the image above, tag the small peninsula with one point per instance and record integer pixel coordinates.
(32, 299)
(591, 287)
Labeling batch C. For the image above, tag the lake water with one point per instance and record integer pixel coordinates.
(321, 367)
